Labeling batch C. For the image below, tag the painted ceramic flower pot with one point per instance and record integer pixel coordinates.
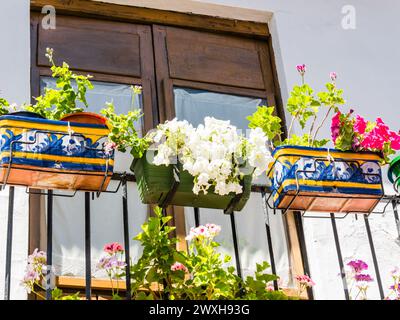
(47, 154)
(85, 117)
(394, 173)
(322, 180)
(164, 185)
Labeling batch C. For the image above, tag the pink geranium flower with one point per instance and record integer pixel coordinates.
(301, 68)
(113, 248)
(335, 126)
(357, 265)
(109, 147)
(360, 125)
(177, 266)
(305, 280)
(210, 230)
(376, 138)
(394, 138)
(333, 76)
(363, 278)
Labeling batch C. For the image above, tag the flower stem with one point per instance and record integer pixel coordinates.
(310, 132)
(321, 124)
(38, 294)
(291, 124)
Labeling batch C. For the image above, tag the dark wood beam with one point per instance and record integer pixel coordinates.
(142, 15)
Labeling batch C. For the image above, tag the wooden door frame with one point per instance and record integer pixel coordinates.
(255, 30)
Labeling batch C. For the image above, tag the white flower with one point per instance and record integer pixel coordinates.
(200, 166)
(163, 155)
(259, 160)
(212, 152)
(158, 136)
(257, 137)
(203, 179)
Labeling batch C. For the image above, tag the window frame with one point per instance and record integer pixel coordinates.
(160, 19)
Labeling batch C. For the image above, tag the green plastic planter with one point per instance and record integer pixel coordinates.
(394, 172)
(155, 184)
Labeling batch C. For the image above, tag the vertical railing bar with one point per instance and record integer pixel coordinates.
(165, 284)
(303, 248)
(9, 243)
(269, 238)
(340, 257)
(126, 237)
(271, 253)
(49, 247)
(88, 264)
(374, 258)
(396, 216)
(235, 245)
(196, 217)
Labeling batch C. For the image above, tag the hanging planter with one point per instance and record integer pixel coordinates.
(50, 154)
(307, 177)
(171, 185)
(394, 173)
(209, 166)
(322, 180)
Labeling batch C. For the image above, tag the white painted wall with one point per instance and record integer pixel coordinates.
(366, 60)
(15, 87)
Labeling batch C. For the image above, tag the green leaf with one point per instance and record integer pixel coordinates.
(265, 119)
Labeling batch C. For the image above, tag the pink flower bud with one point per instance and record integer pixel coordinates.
(333, 76)
(301, 68)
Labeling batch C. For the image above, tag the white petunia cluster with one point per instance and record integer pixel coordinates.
(213, 153)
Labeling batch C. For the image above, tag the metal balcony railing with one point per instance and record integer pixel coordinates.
(123, 178)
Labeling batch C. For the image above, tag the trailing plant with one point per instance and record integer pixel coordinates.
(56, 103)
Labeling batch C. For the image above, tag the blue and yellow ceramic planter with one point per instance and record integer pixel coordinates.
(322, 180)
(49, 154)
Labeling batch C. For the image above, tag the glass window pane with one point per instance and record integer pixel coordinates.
(194, 105)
